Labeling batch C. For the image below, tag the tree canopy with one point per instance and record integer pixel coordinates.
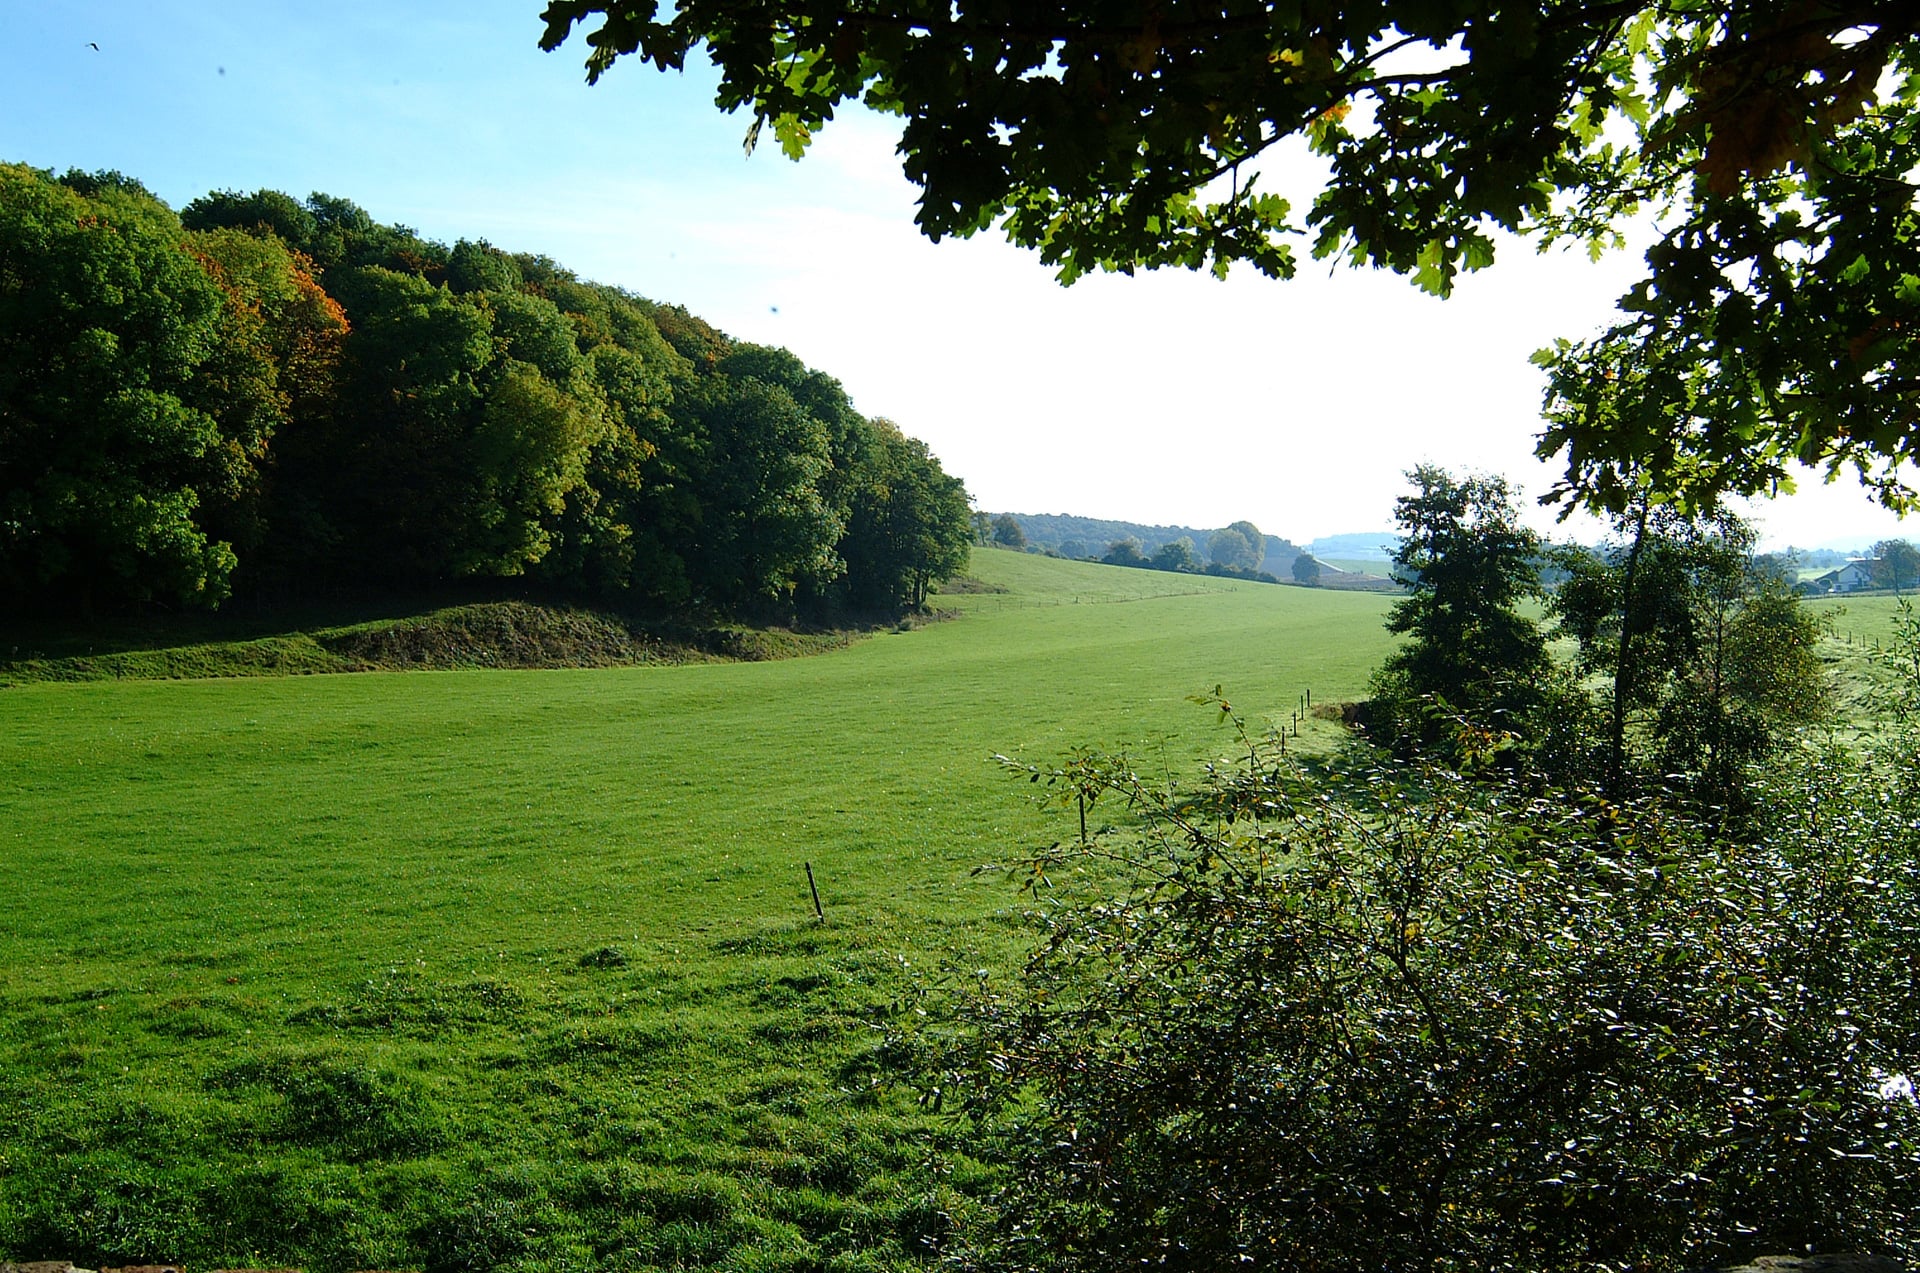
(1232, 546)
(135, 393)
(267, 394)
(1709, 656)
(1896, 564)
(1176, 555)
(1468, 564)
(1772, 145)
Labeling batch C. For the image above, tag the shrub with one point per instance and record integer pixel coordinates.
(1400, 1019)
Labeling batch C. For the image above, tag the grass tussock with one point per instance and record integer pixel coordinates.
(965, 585)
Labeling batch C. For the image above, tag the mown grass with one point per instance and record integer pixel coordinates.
(479, 969)
(1858, 636)
(1858, 620)
(1361, 565)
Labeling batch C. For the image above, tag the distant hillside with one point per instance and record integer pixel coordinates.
(1060, 532)
(1372, 545)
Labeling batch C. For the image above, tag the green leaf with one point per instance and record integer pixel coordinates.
(1430, 274)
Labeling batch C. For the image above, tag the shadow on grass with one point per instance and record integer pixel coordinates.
(452, 629)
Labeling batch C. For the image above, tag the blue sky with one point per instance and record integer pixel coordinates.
(1162, 398)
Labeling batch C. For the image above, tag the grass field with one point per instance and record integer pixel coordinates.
(1361, 565)
(1860, 619)
(454, 970)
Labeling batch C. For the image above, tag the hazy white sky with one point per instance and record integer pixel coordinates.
(1160, 398)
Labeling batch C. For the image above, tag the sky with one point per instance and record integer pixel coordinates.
(1161, 398)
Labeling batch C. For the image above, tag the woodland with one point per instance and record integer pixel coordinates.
(266, 398)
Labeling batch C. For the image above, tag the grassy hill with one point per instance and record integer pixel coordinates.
(1092, 535)
(472, 969)
(423, 633)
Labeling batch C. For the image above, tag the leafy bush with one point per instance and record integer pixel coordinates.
(1399, 1019)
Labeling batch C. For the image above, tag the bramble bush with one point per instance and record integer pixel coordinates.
(1400, 1017)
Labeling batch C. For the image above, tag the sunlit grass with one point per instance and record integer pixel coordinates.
(520, 968)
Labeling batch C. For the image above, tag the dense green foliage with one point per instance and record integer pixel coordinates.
(1240, 544)
(1176, 555)
(273, 396)
(1772, 144)
(1896, 564)
(1471, 654)
(517, 970)
(1416, 1011)
(1708, 656)
(1379, 1018)
(135, 398)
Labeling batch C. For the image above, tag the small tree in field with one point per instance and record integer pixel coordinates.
(1707, 656)
(1306, 570)
(1176, 555)
(1469, 564)
(1007, 531)
(1896, 564)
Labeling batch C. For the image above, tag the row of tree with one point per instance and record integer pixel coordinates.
(1235, 550)
(1179, 556)
(266, 395)
(1239, 548)
(1694, 656)
(1896, 564)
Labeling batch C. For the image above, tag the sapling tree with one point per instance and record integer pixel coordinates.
(1470, 651)
(1707, 659)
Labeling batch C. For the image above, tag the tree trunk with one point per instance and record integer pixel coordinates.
(1623, 668)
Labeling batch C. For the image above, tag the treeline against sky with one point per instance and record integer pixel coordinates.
(272, 397)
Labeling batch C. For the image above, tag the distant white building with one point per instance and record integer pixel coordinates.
(1855, 575)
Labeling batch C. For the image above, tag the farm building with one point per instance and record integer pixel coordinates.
(1852, 577)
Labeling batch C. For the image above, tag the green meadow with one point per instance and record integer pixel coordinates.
(447, 970)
